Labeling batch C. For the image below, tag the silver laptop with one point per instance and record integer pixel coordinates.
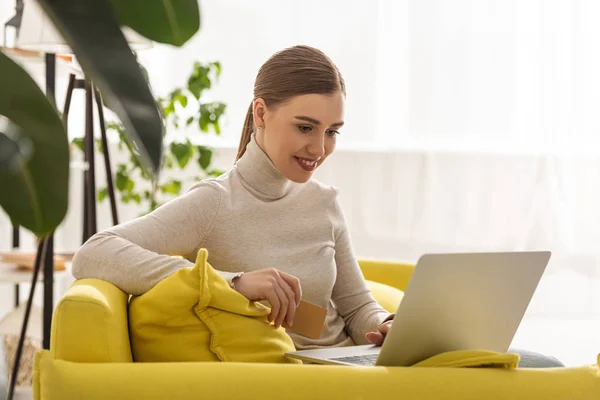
(452, 302)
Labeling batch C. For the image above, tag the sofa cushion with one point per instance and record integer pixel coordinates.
(60, 380)
(387, 296)
(194, 315)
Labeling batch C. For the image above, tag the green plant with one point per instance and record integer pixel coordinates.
(34, 156)
(34, 149)
(182, 106)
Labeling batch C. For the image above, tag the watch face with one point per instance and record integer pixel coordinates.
(232, 282)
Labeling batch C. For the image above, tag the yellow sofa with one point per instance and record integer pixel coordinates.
(90, 358)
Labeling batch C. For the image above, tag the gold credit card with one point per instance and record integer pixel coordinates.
(308, 321)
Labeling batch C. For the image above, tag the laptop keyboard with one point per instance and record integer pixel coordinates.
(365, 359)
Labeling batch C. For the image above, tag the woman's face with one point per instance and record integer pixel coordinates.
(300, 134)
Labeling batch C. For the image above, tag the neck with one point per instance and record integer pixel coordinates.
(259, 174)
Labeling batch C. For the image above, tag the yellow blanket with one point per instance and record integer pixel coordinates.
(471, 359)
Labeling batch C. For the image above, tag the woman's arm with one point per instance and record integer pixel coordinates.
(136, 255)
(351, 295)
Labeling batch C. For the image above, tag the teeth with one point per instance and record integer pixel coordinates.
(307, 163)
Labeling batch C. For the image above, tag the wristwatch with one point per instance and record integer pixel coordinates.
(234, 278)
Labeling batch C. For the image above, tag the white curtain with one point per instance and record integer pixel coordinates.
(480, 73)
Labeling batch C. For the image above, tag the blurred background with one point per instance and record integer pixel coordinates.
(470, 126)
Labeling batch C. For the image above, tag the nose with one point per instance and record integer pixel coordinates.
(316, 146)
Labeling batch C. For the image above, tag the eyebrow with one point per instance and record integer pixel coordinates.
(316, 121)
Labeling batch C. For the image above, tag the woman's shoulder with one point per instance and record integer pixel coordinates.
(325, 193)
(318, 186)
(208, 190)
(215, 185)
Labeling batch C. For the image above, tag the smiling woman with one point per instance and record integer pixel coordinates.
(299, 99)
(292, 140)
(272, 232)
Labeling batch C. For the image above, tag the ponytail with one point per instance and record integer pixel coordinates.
(246, 133)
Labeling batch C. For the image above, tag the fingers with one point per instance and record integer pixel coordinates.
(375, 338)
(385, 327)
(291, 311)
(378, 337)
(284, 293)
(294, 284)
(273, 299)
(284, 304)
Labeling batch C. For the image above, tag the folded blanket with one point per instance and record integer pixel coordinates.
(471, 359)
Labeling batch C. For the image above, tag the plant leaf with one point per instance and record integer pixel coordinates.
(124, 182)
(183, 100)
(37, 148)
(165, 21)
(154, 205)
(217, 66)
(199, 80)
(136, 198)
(99, 147)
(168, 109)
(215, 172)
(204, 119)
(92, 31)
(10, 153)
(172, 187)
(168, 162)
(205, 157)
(78, 142)
(182, 152)
(102, 194)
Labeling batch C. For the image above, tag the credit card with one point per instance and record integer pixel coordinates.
(309, 320)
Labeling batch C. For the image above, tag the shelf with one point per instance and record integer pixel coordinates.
(10, 274)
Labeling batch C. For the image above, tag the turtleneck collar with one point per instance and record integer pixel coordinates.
(259, 174)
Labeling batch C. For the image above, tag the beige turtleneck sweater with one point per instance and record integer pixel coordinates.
(249, 218)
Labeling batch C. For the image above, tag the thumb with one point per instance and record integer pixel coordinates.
(375, 338)
(385, 327)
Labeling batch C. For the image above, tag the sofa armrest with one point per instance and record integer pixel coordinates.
(395, 274)
(90, 324)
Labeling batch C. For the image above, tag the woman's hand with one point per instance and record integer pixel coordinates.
(278, 288)
(378, 337)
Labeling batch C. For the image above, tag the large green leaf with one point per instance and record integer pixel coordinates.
(10, 153)
(34, 171)
(92, 31)
(165, 21)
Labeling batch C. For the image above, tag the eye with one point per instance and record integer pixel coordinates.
(305, 128)
(333, 133)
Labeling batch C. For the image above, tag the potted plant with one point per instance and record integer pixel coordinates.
(183, 106)
(34, 149)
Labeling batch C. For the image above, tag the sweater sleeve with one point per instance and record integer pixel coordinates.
(351, 295)
(136, 255)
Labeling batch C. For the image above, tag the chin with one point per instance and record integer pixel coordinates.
(299, 178)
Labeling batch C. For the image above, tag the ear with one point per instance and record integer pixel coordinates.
(259, 108)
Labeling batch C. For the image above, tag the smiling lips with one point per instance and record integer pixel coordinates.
(307, 164)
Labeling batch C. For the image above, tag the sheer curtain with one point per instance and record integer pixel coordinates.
(518, 71)
(474, 73)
